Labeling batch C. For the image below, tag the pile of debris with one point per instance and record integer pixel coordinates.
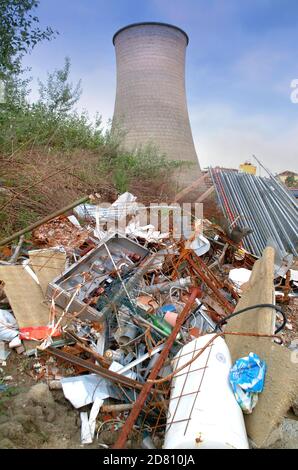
(131, 323)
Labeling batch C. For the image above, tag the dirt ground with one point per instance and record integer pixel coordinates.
(32, 416)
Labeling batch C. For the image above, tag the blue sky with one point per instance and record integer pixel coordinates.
(241, 59)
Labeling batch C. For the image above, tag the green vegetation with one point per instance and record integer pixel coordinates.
(19, 33)
(144, 163)
(290, 181)
(51, 121)
(51, 154)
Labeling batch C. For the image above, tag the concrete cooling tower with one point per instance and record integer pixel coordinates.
(150, 101)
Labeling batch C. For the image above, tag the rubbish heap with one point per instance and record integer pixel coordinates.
(132, 323)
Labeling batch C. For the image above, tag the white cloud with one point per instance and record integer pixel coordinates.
(226, 138)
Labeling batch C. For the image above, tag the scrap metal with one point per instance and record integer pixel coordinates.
(154, 372)
(263, 204)
(105, 373)
(210, 280)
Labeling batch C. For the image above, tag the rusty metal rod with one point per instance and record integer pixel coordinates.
(117, 408)
(101, 359)
(106, 373)
(9, 239)
(154, 372)
(128, 406)
(209, 282)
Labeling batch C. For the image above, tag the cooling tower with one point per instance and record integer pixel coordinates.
(150, 101)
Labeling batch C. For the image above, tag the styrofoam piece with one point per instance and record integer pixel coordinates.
(239, 276)
(88, 425)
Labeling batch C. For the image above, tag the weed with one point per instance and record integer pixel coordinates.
(49, 137)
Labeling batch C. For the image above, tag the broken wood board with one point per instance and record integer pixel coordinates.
(206, 194)
(190, 188)
(281, 382)
(47, 264)
(259, 290)
(25, 297)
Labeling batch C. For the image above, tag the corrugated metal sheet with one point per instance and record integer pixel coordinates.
(263, 204)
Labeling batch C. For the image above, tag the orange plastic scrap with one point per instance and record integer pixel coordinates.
(38, 333)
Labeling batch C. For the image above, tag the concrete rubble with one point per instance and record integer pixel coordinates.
(104, 314)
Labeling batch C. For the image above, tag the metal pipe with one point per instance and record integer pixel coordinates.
(154, 372)
(287, 194)
(279, 219)
(119, 408)
(27, 229)
(260, 210)
(167, 286)
(264, 206)
(106, 373)
(243, 203)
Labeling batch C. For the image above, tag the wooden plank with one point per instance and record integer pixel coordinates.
(259, 290)
(186, 190)
(205, 194)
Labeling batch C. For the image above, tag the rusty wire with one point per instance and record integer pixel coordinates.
(216, 335)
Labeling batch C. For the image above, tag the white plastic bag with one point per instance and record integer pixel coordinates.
(8, 326)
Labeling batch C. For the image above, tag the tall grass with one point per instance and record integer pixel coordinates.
(48, 160)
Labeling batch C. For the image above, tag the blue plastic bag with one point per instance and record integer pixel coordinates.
(247, 377)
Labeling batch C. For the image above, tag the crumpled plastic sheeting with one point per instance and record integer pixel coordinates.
(247, 377)
(124, 205)
(146, 232)
(8, 326)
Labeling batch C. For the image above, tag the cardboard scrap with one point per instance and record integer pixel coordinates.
(25, 296)
(47, 264)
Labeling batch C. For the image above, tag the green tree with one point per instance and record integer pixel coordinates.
(290, 181)
(58, 95)
(19, 33)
